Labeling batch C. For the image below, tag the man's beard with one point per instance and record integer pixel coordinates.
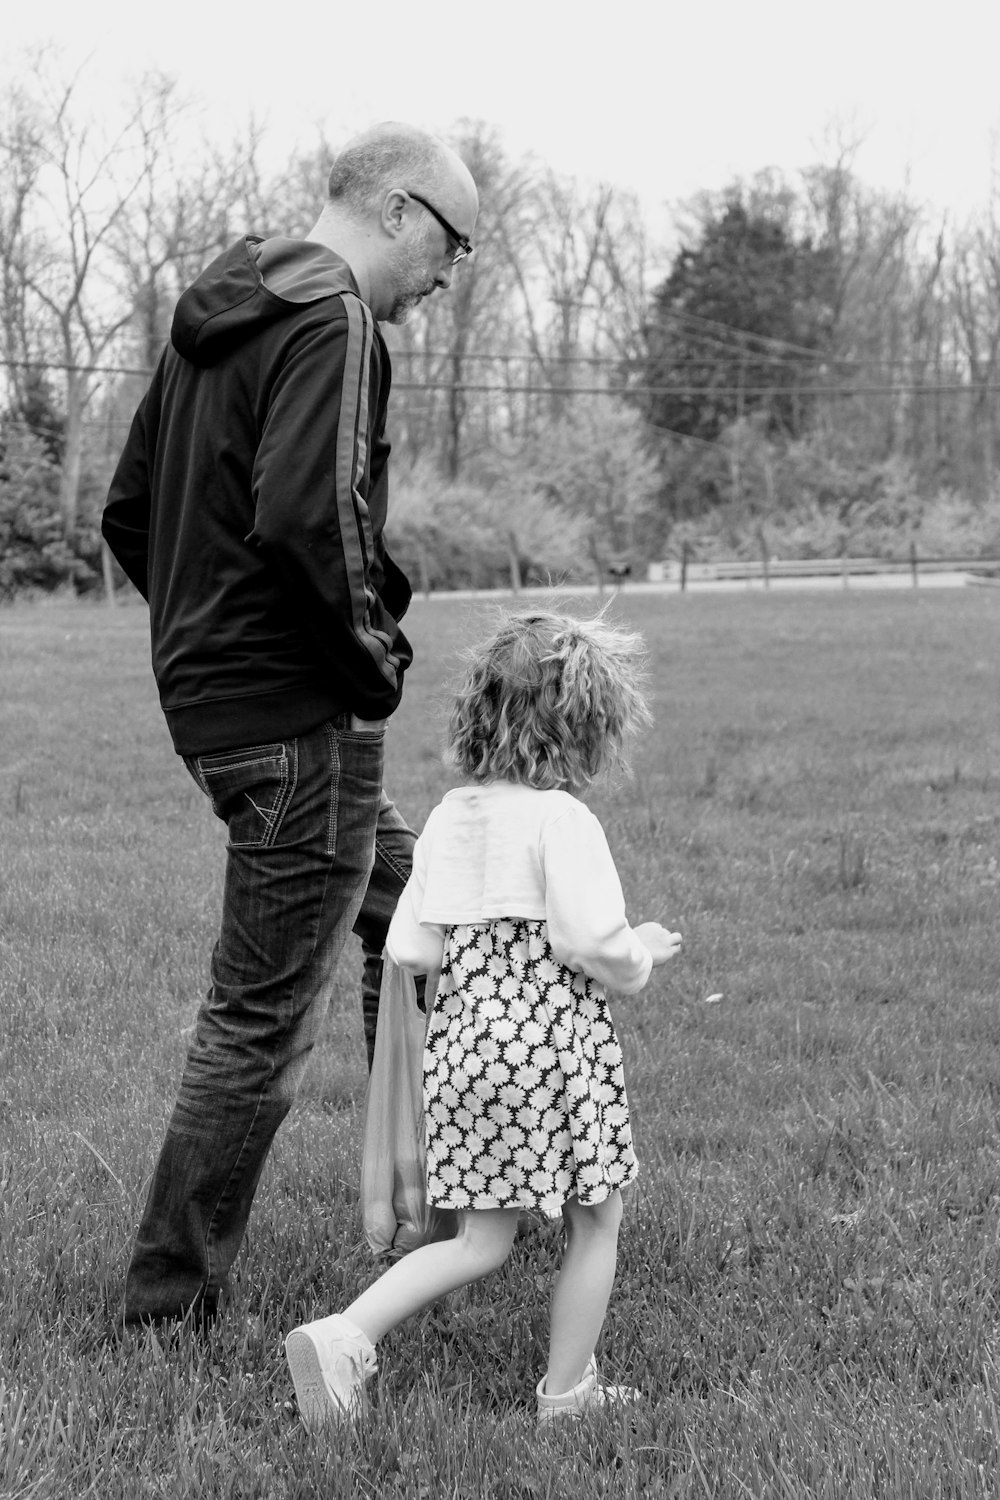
(413, 283)
(403, 306)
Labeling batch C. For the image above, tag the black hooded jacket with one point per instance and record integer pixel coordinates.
(249, 502)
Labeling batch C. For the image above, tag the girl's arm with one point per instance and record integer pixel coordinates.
(585, 907)
(410, 943)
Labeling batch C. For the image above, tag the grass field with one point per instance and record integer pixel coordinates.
(808, 1283)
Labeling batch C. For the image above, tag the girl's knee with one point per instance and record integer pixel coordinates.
(485, 1239)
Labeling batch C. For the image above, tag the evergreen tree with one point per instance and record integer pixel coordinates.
(740, 325)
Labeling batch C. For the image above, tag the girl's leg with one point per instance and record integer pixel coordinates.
(330, 1359)
(582, 1289)
(483, 1242)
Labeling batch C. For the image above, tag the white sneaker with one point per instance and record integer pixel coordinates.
(329, 1361)
(587, 1396)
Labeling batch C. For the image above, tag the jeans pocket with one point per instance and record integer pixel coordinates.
(250, 790)
(365, 729)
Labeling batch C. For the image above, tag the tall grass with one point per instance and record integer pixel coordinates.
(807, 1285)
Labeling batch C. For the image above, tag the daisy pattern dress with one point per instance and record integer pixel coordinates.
(515, 898)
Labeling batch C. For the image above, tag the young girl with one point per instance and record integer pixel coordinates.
(515, 903)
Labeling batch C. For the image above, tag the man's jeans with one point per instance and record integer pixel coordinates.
(315, 849)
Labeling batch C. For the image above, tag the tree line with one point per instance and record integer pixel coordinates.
(810, 369)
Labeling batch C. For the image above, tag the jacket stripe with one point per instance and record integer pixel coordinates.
(351, 463)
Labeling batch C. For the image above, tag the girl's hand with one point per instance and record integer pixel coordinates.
(661, 943)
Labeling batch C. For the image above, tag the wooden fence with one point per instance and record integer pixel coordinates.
(686, 569)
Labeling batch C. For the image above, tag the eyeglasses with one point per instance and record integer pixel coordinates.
(464, 245)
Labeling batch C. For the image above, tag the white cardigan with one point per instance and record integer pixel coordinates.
(505, 850)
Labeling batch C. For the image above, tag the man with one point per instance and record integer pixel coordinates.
(248, 508)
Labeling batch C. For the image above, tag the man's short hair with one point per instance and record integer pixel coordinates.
(380, 159)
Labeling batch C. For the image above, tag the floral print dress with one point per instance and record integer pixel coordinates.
(524, 1092)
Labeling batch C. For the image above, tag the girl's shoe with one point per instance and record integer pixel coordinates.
(329, 1361)
(587, 1396)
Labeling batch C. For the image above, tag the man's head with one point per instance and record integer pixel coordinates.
(401, 209)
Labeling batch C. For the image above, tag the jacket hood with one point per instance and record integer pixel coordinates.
(254, 283)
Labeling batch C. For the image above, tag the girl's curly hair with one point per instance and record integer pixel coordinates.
(548, 701)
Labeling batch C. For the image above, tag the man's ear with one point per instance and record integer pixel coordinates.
(394, 211)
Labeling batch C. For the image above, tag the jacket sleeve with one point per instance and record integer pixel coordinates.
(312, 519)
(125, 522)
(585, 907)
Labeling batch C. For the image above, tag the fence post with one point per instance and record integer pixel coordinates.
(684, 566)
(764, 560)
(107, 570)
(913, 562)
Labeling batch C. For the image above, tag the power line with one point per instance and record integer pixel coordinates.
(687, 389)
(744, 334)
(694, 391)
(725, 334)
(66, 367)
(622, 364)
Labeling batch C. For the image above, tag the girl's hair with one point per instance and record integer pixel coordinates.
(548, 701)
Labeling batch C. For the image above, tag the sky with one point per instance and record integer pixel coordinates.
(661, 97)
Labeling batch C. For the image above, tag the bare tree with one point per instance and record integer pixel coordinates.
(555, 291)
(180, 216)
(176, 219)
(21, 155)
(888, 315)
(579, 258)
(975, 300)
(84, 181)
(443, 372)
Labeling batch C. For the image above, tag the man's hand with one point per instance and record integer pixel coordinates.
(367, 726)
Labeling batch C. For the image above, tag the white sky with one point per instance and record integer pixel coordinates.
(662, 96)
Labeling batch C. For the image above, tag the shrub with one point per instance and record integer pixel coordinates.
(35, 553)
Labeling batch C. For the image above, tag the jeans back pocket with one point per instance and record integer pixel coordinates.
(250, 790)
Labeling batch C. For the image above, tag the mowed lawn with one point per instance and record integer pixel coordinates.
(808, 1282)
